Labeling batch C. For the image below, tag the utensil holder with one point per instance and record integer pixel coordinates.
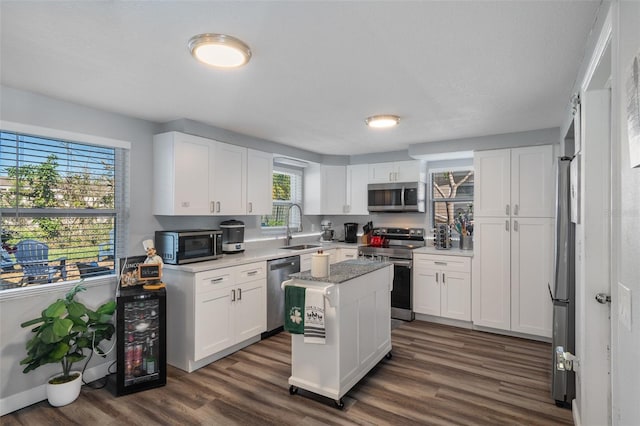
(466, 242)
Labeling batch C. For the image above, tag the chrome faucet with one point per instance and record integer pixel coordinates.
(288, 238)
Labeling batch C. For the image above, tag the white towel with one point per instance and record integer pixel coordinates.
(314, 328)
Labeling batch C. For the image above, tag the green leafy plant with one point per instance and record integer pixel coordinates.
(66, 328)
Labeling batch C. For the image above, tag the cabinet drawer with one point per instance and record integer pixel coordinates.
(251, 272)
(449, 263)
(213, 280)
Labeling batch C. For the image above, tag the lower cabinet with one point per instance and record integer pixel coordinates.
(442, 286)
(345, 253)
(213, 311)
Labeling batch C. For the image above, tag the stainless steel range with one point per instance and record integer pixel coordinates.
(396, 245)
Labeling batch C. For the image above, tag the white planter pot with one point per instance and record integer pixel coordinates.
(65, 393)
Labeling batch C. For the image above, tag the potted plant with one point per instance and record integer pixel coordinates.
(65, 329)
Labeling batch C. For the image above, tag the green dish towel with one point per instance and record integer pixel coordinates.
(294, 309)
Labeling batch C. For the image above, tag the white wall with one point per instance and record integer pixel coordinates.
(626, 343)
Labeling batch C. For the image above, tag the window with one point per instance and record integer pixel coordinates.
(61, 196)
(287, 189)
(452, 198)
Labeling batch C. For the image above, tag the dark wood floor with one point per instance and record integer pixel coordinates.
(437, 375)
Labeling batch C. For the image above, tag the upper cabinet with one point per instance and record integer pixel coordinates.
(514, 182)
(398, 171)
(194, 176)
(357, 181)
(177, 188)
(324, 189)
(259, 183)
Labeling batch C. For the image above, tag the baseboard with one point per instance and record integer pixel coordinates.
(576, 413)
(39, 393)
(444, 321)
(512, 333)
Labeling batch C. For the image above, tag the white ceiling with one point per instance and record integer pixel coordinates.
(450, 69)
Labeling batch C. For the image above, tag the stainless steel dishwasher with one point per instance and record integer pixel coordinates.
(278, 270)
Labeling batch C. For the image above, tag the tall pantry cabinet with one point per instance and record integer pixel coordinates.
(513, 239)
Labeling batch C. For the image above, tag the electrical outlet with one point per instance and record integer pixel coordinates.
(624, 306)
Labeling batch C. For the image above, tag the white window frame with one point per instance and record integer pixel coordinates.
(430, 174)
(122, 203)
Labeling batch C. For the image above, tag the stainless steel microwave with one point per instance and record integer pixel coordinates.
(178, 247)
(396, 197)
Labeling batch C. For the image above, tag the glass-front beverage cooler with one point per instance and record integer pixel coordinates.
(141, 344)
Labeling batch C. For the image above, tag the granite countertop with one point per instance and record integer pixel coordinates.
(343, 271)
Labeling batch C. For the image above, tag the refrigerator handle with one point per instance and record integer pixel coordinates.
(553, 299)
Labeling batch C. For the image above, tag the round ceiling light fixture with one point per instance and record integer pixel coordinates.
(382, 121)
(219, 50)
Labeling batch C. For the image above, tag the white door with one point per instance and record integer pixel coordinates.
(492, 183)
(593, 327)
(455, 298)
(334, 187)
(426, 290)
(491, 289)
(259, 182)
(229, 179)
(357, 180)
(532, 181)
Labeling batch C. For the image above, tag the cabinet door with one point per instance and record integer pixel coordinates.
(409, 171)
(492, 183)
(531, 272)
(382, 172)
(532, 181)
(176, 189)
(357, 181)
(334, 186)
(426, 290)
(491, 289)
(213, 322)
(305, 262)
(250, 309)
(347, 254)
(259, 182)
(455, 295)
(333, 256)
(229, 179)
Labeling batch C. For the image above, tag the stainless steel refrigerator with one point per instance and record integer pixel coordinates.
(563, 388)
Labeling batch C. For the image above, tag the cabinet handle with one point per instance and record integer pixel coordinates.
(233, 295)
(390, 176)
(436, 278)
(506, 210)
(217, 280)
(516, 208)
(443, 282)
(250, 273)
(239, 294)
(217, 206)
(515, 225)
(506, 225)
(441, 263)
(250, 207)
(212, 208)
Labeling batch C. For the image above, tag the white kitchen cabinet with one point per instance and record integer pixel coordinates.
(512, 266)
(346, 253)
(181, 174)
(229, 184)
(356, 191)
(194, 176)
(214, 313)
(398, 171)
(324, 189)
(514, 182)
(305, 262)
(259, 182)
(442, 286)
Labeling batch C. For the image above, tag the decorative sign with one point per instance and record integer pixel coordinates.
(149, 272)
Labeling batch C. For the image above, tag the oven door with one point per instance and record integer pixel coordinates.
(401, 295)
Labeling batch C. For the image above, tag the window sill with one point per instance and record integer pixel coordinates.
(62, 287)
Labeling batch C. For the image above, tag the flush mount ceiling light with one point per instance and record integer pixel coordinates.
(219, 50)
(382, 121)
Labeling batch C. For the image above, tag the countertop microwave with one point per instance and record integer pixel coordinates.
(179, 247)
(397, 197)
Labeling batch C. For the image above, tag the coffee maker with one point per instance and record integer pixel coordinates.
(327, 232)
(350, 232)
(232, 236)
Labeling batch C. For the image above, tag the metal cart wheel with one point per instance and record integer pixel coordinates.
(339, 403)
(293, 390)
(388, 355)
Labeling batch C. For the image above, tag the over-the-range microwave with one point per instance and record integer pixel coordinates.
(178, 247)
(397, 197)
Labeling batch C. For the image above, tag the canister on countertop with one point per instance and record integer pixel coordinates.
(320, 264)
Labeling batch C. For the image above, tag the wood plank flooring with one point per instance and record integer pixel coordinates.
(438, 375)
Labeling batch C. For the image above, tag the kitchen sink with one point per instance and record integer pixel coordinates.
(301, 247)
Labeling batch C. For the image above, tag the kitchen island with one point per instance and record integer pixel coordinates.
(357, 320)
